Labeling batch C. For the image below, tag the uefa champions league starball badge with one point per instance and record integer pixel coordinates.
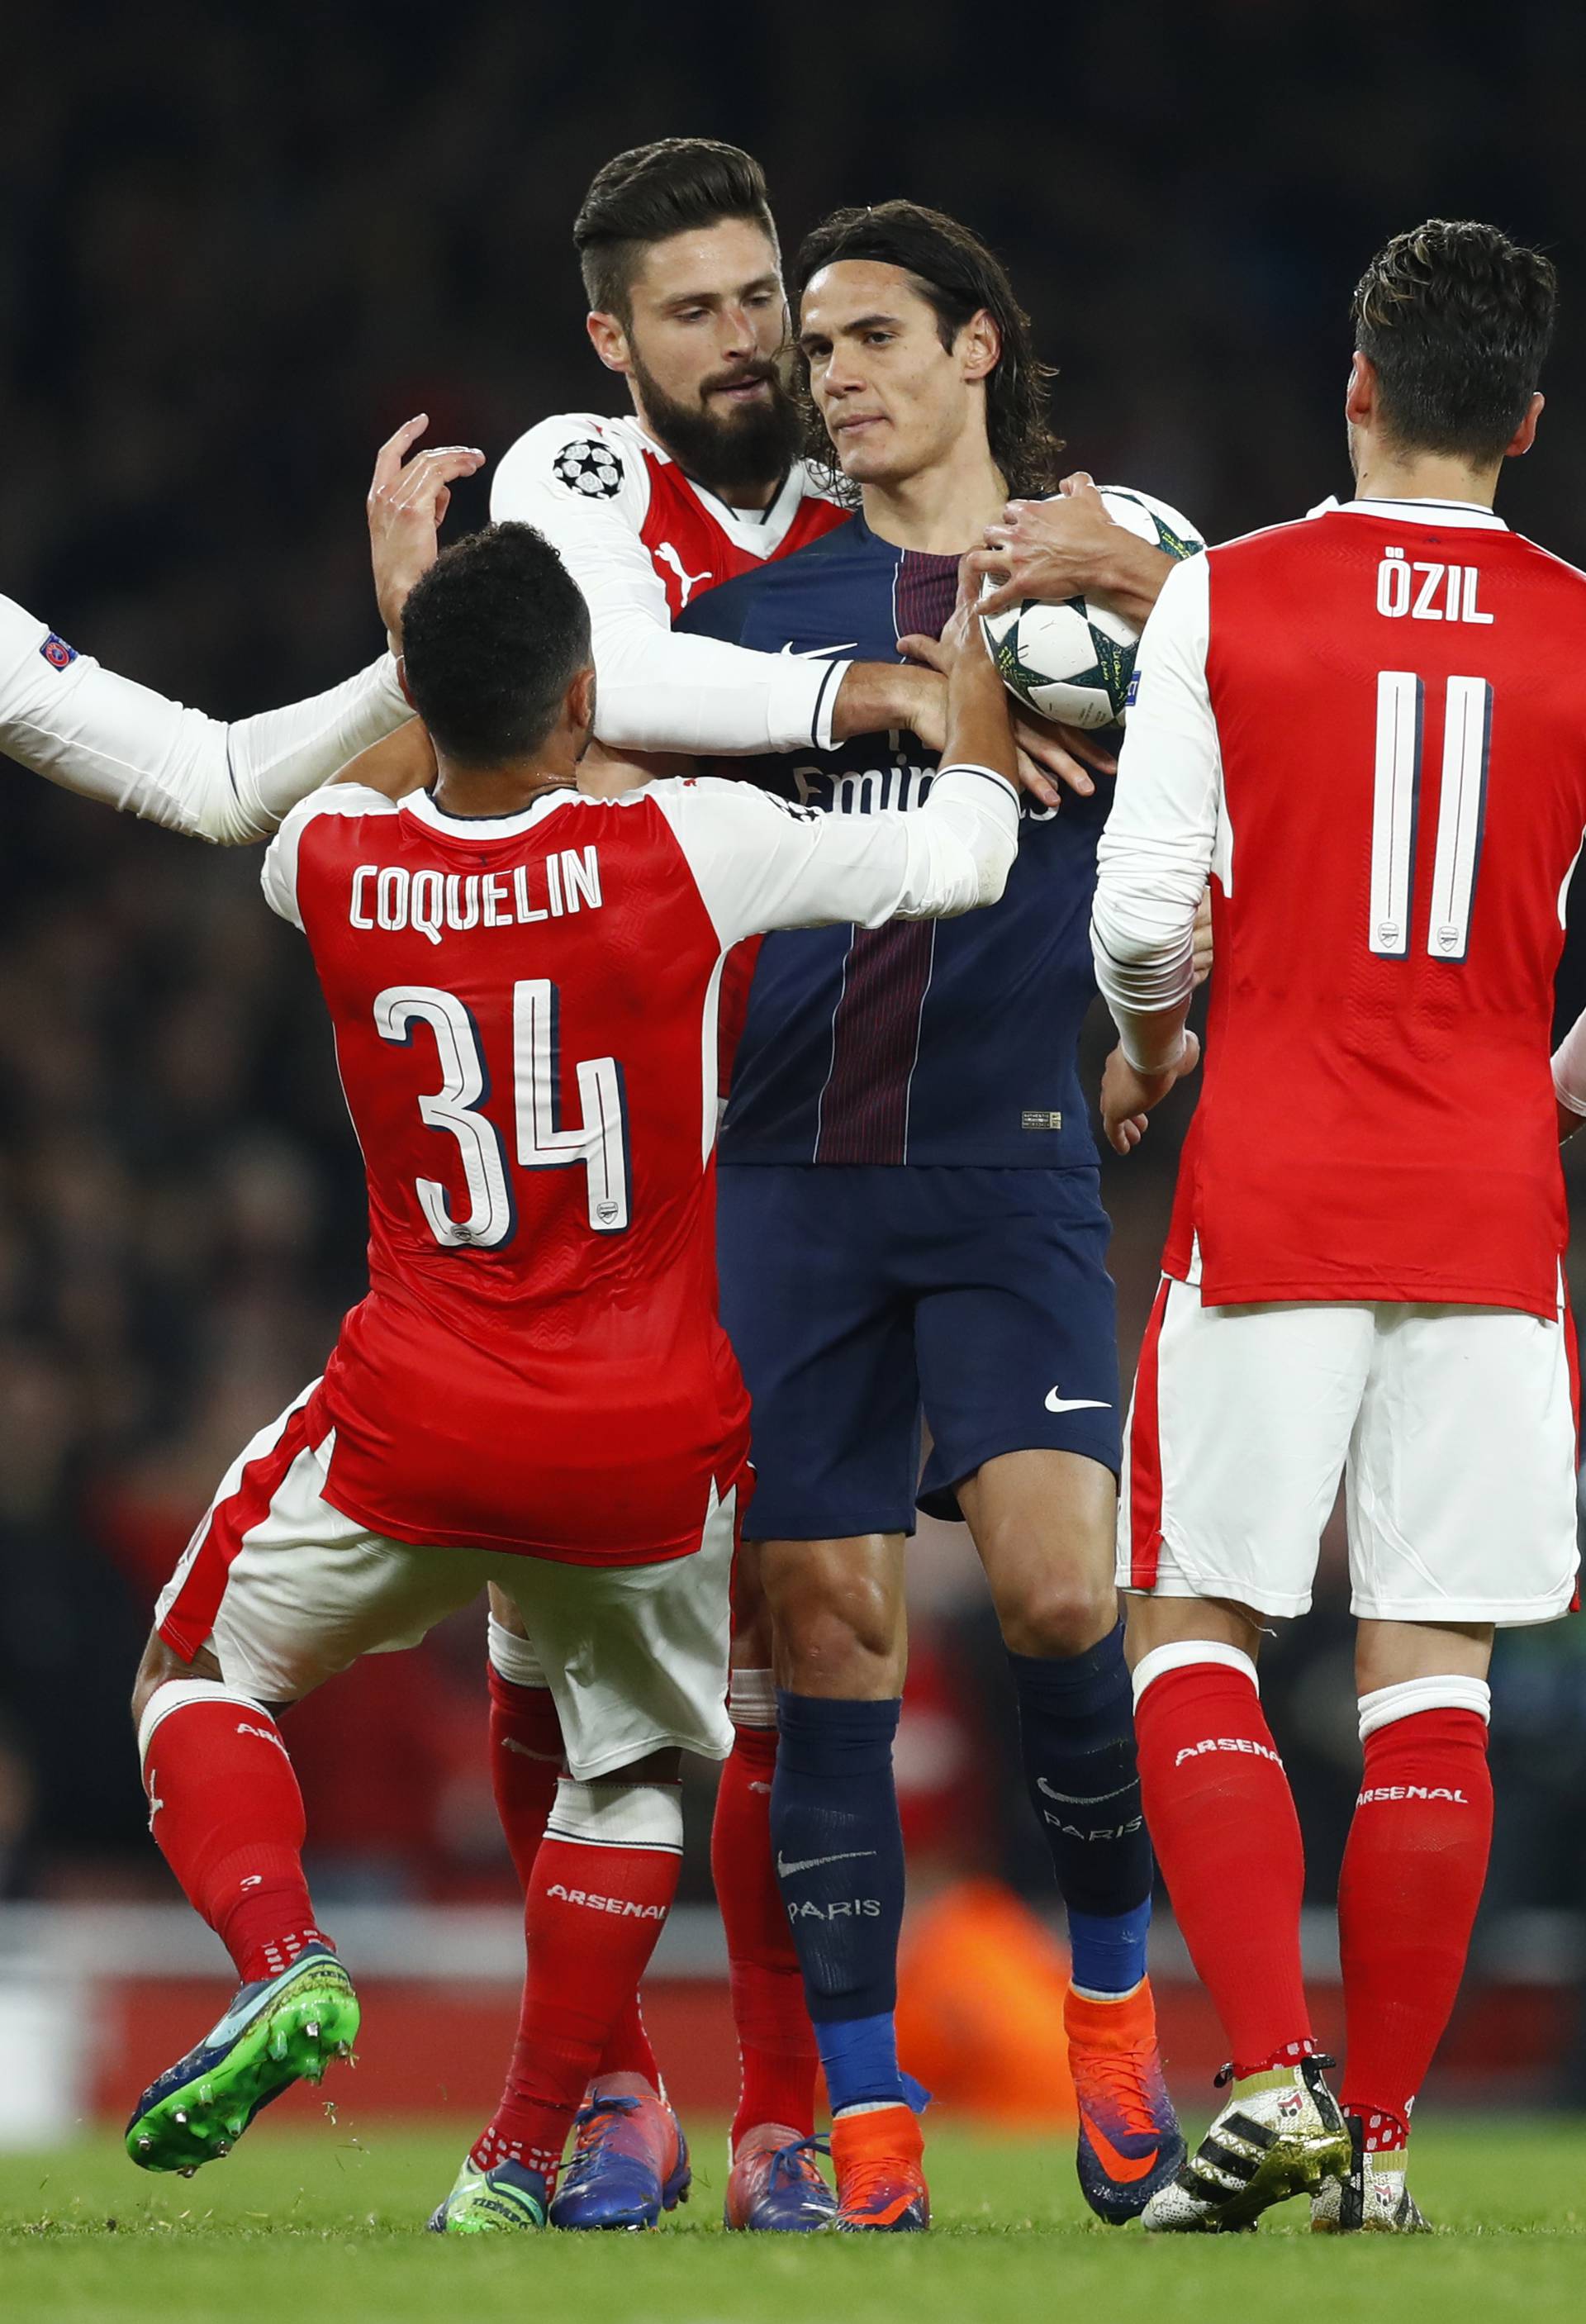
(589, 467)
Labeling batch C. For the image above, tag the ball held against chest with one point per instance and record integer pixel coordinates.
(1073, 661)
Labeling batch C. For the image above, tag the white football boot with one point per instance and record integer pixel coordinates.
(1372, 2198)
(1280, 2135)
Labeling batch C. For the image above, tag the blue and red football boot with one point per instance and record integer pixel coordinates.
(630, 2159)
(1130, 2141)
(775, 2186)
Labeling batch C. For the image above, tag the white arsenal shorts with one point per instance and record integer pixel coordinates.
(1455, 1429)
(285, 1591)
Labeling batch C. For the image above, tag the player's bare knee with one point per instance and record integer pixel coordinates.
(851, 1644)
(160, 1662)
(504, 1613)
(1151, 1622)
(1058, 1615)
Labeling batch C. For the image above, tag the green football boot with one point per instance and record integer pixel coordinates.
(278, 2031)
(492, 2202)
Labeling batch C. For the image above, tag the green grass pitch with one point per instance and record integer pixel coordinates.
(319, 2223)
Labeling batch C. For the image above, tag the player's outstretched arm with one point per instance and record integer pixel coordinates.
(107, 738)
(761, 864)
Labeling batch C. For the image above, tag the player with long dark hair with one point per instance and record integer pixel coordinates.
(909, 1212)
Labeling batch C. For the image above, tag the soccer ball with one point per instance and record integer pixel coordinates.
(1073, 661)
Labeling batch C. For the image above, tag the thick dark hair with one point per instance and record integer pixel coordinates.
(653, 192)
(493, 636)
(953, 270)
(1456, 319)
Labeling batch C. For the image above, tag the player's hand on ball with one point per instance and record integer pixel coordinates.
(1051, 549)
(1044, 750)
(407, 506)
(1201, 953)
(1127, 1096)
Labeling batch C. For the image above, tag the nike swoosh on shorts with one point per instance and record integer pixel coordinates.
(1055, 1403)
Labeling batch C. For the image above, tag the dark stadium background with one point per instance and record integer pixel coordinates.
(237, 244)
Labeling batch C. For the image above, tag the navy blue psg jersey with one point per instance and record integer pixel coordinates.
(927, 1040)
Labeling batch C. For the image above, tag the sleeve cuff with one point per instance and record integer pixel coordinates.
(803, 702)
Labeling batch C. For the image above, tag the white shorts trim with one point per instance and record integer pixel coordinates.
(1452, 1428)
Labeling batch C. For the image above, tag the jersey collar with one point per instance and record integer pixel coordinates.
(484, 827)
(1471, 514)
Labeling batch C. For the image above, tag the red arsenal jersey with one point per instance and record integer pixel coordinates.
(525, 1020)
(1398, 698)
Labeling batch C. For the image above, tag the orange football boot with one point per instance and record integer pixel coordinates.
(1130, 2141)
(877, 2157)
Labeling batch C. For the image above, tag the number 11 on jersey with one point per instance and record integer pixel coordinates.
(1467, 746)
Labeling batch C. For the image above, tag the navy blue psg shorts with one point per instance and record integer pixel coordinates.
(859, 1298)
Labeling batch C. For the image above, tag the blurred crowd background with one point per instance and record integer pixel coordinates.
(236, 246)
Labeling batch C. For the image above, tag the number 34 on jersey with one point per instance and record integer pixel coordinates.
(598, 1145)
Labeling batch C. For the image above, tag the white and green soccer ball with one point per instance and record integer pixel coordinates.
(1073, 661)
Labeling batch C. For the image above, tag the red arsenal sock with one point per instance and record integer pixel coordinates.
(525, 1764)
(776, 2042)
(1222, 1821)
(228, 1816)
(1412, 1879)
(603, 1884)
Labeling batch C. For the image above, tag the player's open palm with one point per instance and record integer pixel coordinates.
(407, 506)
(1128, 1095)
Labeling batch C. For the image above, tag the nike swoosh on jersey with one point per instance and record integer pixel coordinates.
(808, 1863)
(1121, 2167)
(819, 653)
(1055, 1403)
(1080, 1799)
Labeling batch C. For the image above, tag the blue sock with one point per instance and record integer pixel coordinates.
(839, 1854)
(1077, 1726)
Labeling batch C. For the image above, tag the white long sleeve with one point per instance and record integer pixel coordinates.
(1158, 847)
(107, 738)
(762, 864)
(657, 690)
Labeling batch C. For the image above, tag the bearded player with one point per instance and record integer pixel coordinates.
(1369, 730)
(703, 482)
(523, 982)
(910, 1212)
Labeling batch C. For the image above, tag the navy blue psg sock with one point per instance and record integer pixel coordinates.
(1077, 1726)
(839, 1856)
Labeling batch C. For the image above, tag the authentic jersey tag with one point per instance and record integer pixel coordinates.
(1031, 1120)
(1132, 697)
(57, 652)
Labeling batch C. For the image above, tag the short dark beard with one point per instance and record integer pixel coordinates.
(754, 446)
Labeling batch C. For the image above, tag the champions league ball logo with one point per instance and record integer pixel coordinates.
(590, 467)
